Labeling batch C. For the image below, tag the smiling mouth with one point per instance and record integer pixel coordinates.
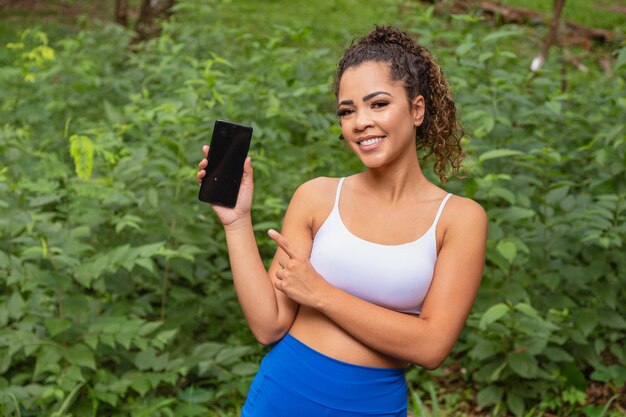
(370, 141)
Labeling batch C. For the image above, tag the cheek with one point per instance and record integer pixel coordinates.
(344, 126)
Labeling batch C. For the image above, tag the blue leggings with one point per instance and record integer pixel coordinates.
(295, 380)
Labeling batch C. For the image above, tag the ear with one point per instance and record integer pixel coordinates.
(418, 108)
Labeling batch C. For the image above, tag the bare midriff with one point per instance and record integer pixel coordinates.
(317, 331)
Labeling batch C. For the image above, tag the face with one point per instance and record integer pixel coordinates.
(377, 120)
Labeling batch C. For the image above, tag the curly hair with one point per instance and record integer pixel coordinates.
(440, 133)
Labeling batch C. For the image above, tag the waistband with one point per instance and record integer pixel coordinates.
(334, 383)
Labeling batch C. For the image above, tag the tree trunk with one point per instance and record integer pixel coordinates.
(121, 12)
(552, 37)
(151, 12)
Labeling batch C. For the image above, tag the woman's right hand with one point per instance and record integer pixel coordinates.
(230, 217)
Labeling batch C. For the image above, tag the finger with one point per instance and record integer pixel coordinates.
(283, 262)
(200, 175)
(247, 170)
(205, 151)
(202, 164)
(281, 242)
(279, 285)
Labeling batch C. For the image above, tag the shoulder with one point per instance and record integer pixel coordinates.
(316, 191)
(466, 206)
(318, 185)
(463, 215)
(314, 200)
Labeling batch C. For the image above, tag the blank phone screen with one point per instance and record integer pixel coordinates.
(228, 150)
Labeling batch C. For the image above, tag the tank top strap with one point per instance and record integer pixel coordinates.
(443, 203)
(336, 207)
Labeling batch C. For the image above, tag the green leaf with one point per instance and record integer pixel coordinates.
(112, 114)
(56, 325)
(527, 309)
(91, 341)
(164, 338)
(523, 364)
(148, 359)
(515, 404)
(507, 249)
(245, 368)
(503, 193)
(4, 315)
(554, 106)
(4, 260)
(493, 314)
(48, 358)
(485, 348)
(615, 374)
(556, 354)
(149, 327)
(513, 214)
(231, 355)
(464, 48)
(489, 395)
(621, 59)
(150, 410)
(138, 382)
(556, 195)
(80, 355)
(498, 153)
(5, 360)
(15, 305)
(207, 350)
(614, 320)
(586, 321)
(466, 18)
(534, 343)
(82, 150)
(501, 34)
(196, 395)
(495, 375)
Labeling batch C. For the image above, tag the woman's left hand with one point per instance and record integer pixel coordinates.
(296, 276)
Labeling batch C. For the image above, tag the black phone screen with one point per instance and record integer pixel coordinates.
(228, 150)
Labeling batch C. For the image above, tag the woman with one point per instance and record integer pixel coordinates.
(372, 272)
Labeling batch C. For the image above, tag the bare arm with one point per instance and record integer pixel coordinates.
(269, 312)
(426, 339)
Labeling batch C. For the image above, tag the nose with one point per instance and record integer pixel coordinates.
(362, 121)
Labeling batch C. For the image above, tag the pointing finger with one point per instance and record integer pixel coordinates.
(282, 243)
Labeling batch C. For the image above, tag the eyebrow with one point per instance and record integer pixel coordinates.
(365, 98)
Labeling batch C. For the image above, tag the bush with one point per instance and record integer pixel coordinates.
(116, 296)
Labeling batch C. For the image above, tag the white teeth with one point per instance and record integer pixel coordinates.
(372, 141)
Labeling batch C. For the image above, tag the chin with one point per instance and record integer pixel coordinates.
(372, 164)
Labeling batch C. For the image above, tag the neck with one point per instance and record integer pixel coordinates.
(394, 182)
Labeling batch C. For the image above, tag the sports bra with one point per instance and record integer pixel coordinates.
(392, 276)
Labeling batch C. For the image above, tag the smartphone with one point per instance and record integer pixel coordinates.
(228, 150)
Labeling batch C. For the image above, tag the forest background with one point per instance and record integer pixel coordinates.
(115, 292)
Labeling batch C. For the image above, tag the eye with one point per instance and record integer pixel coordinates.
(344, 112)
(379, 104)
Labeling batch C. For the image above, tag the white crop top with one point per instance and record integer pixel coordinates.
(392, 276)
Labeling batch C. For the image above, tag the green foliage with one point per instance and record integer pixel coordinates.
(549, 166)
(115, 291)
